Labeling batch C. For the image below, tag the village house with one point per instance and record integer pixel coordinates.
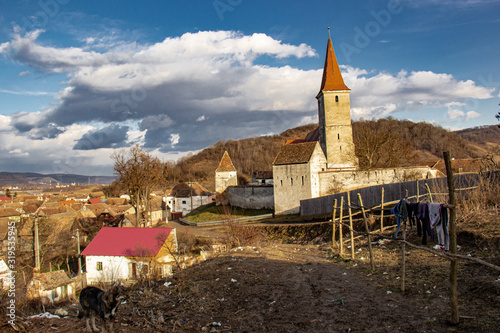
(185, 197)
(53, 286)
(262, 178)
(130, 253)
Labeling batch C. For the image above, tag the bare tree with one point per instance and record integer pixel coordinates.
(140, 173)
(378, 145)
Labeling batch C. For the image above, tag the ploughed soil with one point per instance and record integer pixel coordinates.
(304, 286)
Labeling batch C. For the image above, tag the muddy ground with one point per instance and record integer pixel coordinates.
(302, 286)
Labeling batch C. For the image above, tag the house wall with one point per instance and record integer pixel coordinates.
(184, 204)
(113, 268)
(251, 197)
(295, 182)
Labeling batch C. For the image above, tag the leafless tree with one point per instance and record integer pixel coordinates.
(140, 173)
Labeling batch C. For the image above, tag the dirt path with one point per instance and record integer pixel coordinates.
(272, 288)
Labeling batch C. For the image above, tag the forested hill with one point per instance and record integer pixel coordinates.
(379, 143)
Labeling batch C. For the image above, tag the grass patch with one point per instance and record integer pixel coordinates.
(211, 212)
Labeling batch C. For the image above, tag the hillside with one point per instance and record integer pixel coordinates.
(400, 142)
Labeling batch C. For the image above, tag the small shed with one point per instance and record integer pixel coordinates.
(55, 286)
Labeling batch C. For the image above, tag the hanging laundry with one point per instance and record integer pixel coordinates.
(401, 214)
(438, 216)
(423, 223)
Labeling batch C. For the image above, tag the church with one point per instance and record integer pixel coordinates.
(325, 161)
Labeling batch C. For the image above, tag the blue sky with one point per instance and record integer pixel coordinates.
(83, 79)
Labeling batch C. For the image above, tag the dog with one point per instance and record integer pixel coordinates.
(96, 302)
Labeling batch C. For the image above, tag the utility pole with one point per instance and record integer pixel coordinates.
(37, 247)
(79, 258)
(191, 194)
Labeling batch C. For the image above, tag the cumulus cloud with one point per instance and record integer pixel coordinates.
(185, 93)
(382, 94)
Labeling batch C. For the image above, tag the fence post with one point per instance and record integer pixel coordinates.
(429, 192)
(453, 240)
(367, 233)
(341, 239)
(350, 223)
(418, 192)
(334, 243)
(403, 255)
(382, 212)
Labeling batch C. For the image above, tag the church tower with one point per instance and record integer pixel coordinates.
(334, 110)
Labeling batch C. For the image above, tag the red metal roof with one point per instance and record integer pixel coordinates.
(127, 242)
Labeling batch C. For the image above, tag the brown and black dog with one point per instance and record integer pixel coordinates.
(96, 302)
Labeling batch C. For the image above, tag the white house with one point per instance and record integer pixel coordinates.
(129, 253)
(185, 197)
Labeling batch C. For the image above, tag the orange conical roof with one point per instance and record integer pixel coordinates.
(332, 78)
(225, 164)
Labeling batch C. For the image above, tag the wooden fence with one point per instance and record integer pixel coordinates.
(372, 195)
(434, 190)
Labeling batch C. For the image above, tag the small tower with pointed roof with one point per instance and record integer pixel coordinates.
(334, 111)
(225, 176)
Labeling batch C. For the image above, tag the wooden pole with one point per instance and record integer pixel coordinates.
(37, 247)
(340, 226)
(429, 192)
(418, 191)
(403, 255)
(79, 250)
(453, 240)
(372, 264)
(351, 231)
(334, 243)
(382, 212)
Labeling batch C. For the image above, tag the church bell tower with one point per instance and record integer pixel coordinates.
(334, 111)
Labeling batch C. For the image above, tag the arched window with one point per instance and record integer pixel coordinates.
(336, 98)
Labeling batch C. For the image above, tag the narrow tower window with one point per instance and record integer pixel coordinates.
(338, 136)
(336, 98)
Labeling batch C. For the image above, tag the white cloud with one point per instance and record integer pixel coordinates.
(205, 86)
(174, 139)
(471, 115)
(380, 94)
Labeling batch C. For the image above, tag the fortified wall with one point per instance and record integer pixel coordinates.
(251, 197)
(335, 181)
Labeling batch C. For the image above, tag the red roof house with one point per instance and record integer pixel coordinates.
(128, 242)
(129, 253)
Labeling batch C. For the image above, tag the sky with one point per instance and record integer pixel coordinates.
(81, 80)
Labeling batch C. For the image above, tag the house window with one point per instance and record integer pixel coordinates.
(302, 180)
(184, 202)
(338, 136)
(281, 182)
(99, 266)
(336, 98)
(291, 181)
